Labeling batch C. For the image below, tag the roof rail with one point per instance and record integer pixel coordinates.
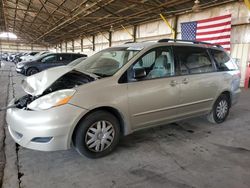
(190, 41)
(128, 42)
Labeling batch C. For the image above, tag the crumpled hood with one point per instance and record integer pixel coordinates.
(36, 84)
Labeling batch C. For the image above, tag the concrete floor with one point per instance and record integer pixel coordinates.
(191, 153)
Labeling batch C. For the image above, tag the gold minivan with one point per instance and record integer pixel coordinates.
(120, 90)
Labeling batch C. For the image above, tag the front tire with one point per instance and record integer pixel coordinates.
(97, 135)
(31, 71)
(220, 110)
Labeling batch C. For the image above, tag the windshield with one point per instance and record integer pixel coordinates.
(107, 62)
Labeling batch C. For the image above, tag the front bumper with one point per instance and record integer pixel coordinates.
(28, 128)
(20, 70)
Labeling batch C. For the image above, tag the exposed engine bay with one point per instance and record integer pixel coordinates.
(72, 79)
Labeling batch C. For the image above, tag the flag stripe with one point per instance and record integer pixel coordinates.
(213, 35)
(215, 18)
(223, 43)
(213, 38)
(214, 25)
(215, 22)
(217, 41)
(214, 29)
(213, 32)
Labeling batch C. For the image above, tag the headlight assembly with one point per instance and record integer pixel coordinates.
(54, 99)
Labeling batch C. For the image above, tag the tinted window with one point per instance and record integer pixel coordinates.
(64, 57)
(49, 59)
(223, 61)
(193, 60)
(157, 63)
(75, 56)
(33, 53)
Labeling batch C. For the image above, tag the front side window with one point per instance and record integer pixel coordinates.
(193, 60)
(49, 59)
(156, 63)
(107, 62)
(223, 61)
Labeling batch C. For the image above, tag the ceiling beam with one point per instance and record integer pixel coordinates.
(14, 27)
(4, 15)
(25, 14)
(105, 25)
(69, 19)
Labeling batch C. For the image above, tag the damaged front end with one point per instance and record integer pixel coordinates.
(51, 88)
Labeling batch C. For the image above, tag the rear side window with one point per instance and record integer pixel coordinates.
(223, 61)
(76, 56)
(64, 57)
(193, 60)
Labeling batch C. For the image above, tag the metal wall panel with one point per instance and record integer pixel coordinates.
(12, 46)
(241, 52)
(122, 35)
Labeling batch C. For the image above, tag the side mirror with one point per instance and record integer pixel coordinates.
(139, 73)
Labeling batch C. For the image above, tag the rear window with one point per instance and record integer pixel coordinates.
(223, 61)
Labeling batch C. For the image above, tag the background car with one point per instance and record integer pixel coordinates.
(46, 61)
(31, 57)
(22, 58)
(77, 61)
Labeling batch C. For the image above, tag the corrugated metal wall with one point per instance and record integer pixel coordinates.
(12, 46)
(241, 52)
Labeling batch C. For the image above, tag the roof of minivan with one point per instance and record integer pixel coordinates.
(153, 43)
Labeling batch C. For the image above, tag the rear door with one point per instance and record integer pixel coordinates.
(64, 59)
(198, 80)
(153, 100)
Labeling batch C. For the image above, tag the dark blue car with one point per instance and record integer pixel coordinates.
(46, 61)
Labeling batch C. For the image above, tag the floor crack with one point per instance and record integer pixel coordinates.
(19, 173)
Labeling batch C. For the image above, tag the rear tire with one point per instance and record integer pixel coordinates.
(220, 110)
(97, 135)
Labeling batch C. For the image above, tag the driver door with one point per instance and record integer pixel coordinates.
(153, 99)
(48, 62)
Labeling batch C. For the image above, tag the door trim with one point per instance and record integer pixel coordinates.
(172, 107)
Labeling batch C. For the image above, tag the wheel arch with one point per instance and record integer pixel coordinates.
(112, 110)
(228, 94)
(32, 67)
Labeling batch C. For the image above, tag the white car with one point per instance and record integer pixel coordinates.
(32, 55)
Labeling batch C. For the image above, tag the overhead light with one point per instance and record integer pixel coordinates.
(8, 35)
(197, 6)
(111, 29)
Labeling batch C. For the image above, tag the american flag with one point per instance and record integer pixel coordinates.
(215, 30)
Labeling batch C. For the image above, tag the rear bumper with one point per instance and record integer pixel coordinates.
(235, 96)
